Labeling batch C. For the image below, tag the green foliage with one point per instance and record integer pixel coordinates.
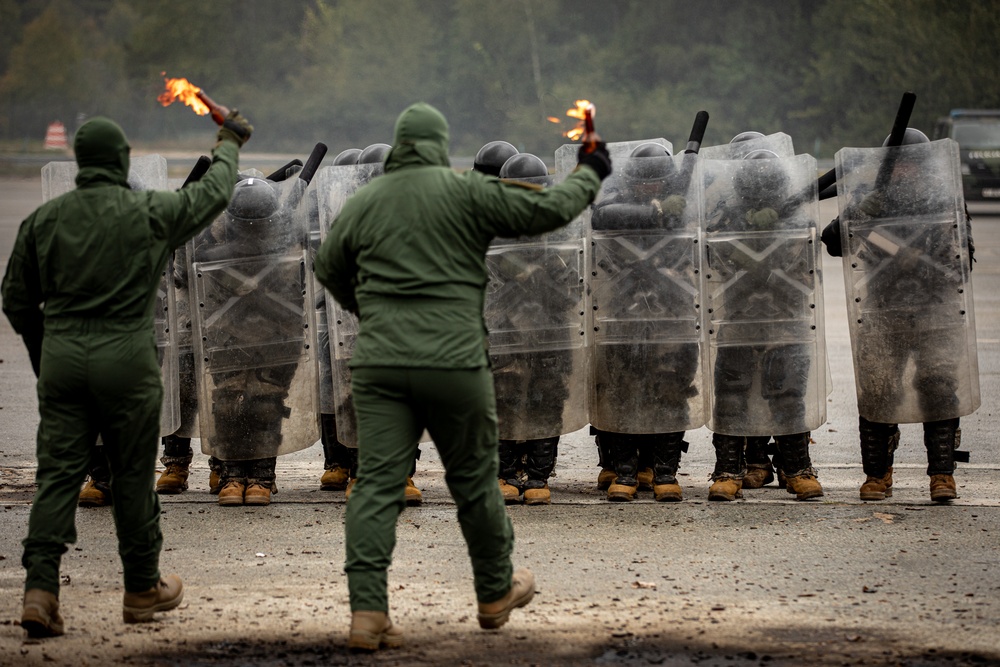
(827, 72)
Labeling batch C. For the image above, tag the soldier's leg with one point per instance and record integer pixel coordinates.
(605, 460)
(878, 442)
(411, 494)
(759, 470)
(625, 454)
(727, 478)
(461, 417)
(539, 462)
(96, 491)
(665, 452)
(232, 482)
(177, 456)
(260, 481)
(388, 430)
(337, 458)
(800, 476)
(941, 439)
(510, 459)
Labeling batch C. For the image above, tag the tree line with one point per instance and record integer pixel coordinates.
(828, 72)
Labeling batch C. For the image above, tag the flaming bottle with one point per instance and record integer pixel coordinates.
(590, 136)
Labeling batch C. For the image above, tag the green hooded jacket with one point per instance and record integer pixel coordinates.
(408, 251)
(97, 252)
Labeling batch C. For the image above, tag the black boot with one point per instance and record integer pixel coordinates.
(665, 452)
(941, 440)
(625, 453)
(727, 478)
(800, 476)
(605, 459)
(878, 442)
(539, 462)
(510, 462)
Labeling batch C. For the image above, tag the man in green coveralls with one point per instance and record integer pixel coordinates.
(407, 255)
(79, 289)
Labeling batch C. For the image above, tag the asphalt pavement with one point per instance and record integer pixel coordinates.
(764, 580)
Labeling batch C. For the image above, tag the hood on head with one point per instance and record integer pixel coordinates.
(101, 151)
(421, 138)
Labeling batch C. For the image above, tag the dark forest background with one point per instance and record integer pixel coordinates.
(828, 72)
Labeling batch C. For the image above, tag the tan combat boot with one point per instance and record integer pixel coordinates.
(725, 489)
(94, 494)
(667, 493)
(258, 493)
(622, 493)
(412, 494)
(231, 493)
(214, 483)
(877, 488)
(174, 479)
(606, 478)
(943, 488)
(803, 486)
(540, 496)
(645, 478)
(757, 476)
(167, 594)
(371, 630)
(511, 494)
(335, 479)
(40, 617)
(492, 615)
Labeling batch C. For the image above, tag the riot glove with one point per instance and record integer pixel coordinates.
(597, 159)
(236, 127)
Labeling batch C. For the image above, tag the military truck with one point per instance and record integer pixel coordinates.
(977, 132)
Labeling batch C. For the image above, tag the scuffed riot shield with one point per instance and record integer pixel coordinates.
(146, 172)
(334, 185)
(254, 335)
(764, 296)
(909, 294)
(778, 143)
(534, 315)
(645, 298)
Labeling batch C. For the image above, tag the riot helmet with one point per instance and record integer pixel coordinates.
(760, 154)
(253, 199)
(374, 154)
(746, 136)
(911, 136)
(523, 165)
(492, 156)
(347, 157)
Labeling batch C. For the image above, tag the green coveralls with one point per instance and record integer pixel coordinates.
(84, 272)
(407, 253)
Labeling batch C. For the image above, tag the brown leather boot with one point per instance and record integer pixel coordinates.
(231, 493)
(606, 478)
(877, 488)
(511, 494)
(492, 615)
(622, 493)
(257, 492)
(335, 479)
(350, 487)
(943, 488)
(540, 496)
(804, 486)
(412, 494)
(167, 594)
(757, 475)
(40, 617)
(94, 494)
(726, 489)
(174, 479)
(667, 493)
(371, 630)
(214, 483)
(645, 478)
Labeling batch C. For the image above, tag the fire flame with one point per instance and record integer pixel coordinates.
(580, 111)
(185, 91)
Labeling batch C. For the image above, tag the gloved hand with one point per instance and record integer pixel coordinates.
(831, 238)
(598, 159)
(236, 127)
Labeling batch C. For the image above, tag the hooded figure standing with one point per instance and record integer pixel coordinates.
(407, 255)
(80, 289)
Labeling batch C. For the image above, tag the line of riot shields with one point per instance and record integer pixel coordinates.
(689, 294)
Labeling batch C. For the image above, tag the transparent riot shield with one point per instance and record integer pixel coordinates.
(146, 172)
(764, 296)
(778, 143)
(909, 294)
(645, 298)
(534, 315)
(334, 185)
(252, 315)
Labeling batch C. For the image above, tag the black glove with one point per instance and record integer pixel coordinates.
(236, 127)
(831, 238)
(598, 159)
